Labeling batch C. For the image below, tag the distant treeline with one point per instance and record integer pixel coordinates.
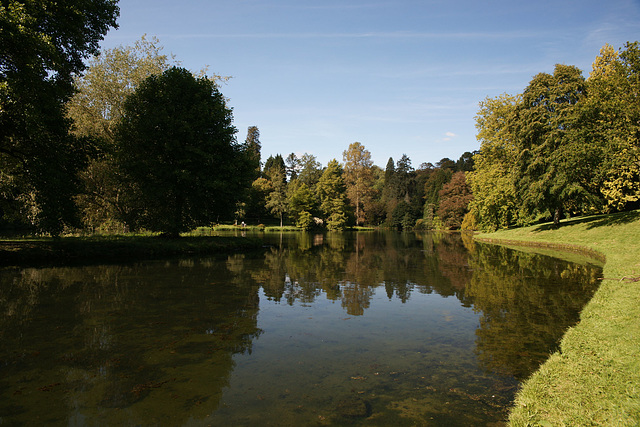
(357, 192)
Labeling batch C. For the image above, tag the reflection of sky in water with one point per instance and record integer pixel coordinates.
(321, 354)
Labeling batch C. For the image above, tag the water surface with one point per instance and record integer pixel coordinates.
(339, 329)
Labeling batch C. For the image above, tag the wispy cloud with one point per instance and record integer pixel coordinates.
(448, 136)
(362, 35)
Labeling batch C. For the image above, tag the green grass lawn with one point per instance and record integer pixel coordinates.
(594, 379)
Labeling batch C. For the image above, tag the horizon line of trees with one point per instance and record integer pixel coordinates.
(355, 192)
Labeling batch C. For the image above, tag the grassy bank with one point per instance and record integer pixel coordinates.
(115, 248)
(594, 380)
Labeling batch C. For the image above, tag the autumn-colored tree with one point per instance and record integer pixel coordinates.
(454, 201)
(358, 176)
(611, 125)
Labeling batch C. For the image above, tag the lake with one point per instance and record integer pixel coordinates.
(368, 328)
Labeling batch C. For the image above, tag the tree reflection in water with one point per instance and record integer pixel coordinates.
(157, 342)
(86, 344)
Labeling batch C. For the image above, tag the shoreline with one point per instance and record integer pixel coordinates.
(72, 250)
(594, 378)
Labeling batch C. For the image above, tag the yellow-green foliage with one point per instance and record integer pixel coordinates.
(594, 380)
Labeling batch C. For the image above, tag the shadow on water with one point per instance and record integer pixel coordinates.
(329, 329)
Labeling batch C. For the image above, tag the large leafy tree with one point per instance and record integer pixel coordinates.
(310, 170)
(493, 181)
(42, 46)
(112, 75)
(611, 117)
(176, 146)
(358, 176)
(95, 109)
(548, 180)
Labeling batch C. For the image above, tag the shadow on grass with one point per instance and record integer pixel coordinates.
(594, 221)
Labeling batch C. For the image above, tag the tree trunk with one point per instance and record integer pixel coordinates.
(556, 217)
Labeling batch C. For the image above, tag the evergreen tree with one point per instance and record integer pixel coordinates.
(272, 163)
(331, 195)
(252, 146)
(277, 200)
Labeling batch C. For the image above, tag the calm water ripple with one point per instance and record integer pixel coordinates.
(341, 329)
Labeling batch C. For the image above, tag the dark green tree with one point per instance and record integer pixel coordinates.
(547, 180)
(301, 204)
(434, 183)
(274, 162)
(95, 109)
(177, 149)
(310, 171)
(388, 191)
(404, 178)
(252, 147)
(465, 162)
(446, 163)
(277, 199)
(43, 44)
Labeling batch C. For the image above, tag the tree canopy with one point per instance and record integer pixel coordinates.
(358, 176)
(566, 146)
(176, 146)
(43, 46)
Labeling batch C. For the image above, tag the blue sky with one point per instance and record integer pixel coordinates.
(400, 77)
